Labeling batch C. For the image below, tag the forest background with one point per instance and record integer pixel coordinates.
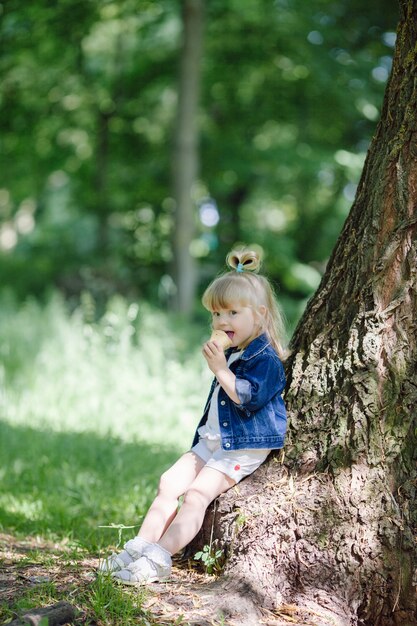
(289, 98)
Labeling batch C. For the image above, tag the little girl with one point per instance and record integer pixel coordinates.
(244, 419)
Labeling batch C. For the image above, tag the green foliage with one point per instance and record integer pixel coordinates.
(305, 82)
(290, 98)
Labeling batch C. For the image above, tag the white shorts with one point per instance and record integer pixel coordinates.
(234, 463)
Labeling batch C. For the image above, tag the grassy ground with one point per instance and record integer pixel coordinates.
(91, 412)
(36, 573)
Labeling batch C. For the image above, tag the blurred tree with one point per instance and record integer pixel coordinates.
(287, 123)
(185, 165)
(333, 531)
(88, 94)
(290, 97)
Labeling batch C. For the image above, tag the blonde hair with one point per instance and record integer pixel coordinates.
(243, 285)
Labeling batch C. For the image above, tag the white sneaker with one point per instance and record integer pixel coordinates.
(154, 565)
(133, 550)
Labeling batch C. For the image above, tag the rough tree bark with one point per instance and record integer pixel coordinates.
(185, 157)
(332, 527)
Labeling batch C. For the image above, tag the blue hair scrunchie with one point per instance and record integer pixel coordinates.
(240, 267)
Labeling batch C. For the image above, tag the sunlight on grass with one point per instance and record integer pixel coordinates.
(28, 507)
(91, 412)
(118, 377)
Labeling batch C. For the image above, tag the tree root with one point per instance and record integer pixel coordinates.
(55, 615)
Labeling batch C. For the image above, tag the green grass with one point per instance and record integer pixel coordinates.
(110, 604)
(101, 602)
(91, 412)
(68, 484)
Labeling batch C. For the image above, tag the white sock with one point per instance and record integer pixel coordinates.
(134, 549)
(158, 554)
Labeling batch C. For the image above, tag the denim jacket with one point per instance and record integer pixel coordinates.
(260, 420)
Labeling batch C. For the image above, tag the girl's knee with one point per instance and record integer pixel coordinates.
(164, 482)
(196, 498)
(168, 485)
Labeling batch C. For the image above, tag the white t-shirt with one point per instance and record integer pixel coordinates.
(211, 429)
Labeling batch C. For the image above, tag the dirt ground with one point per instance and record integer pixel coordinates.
(189, 598)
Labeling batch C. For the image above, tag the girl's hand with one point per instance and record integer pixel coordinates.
(214, 356)
(216, 361)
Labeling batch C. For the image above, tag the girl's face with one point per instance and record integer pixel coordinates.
(241, 323)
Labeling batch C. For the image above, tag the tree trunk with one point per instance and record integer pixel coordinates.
(185, 158)
(101, 180)
(333, 528)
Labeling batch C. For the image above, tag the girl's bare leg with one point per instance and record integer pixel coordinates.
(208, 484)
(173, 484)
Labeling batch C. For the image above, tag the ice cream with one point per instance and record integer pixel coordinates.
(221, 339)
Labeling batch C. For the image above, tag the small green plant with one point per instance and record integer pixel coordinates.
(211, 556)
(120, 528)
(212, 559)
(240, 520)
